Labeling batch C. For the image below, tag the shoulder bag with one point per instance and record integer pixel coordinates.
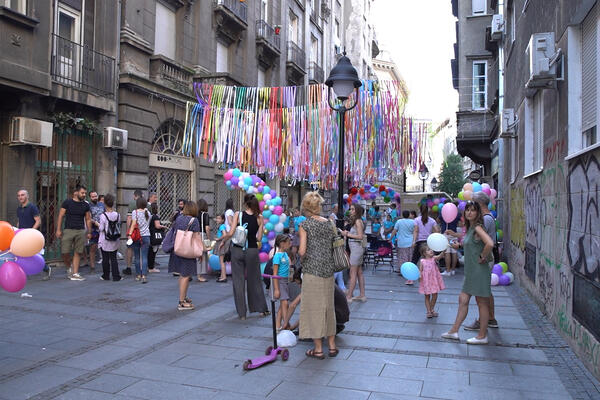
(206, 242)
(136, 235)
(340, 257)
(240, 234)
(156, 235)
(188, 244)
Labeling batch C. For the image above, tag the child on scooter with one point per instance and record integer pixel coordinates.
(281, 267)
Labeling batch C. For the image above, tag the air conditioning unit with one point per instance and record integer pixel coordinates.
(497, 27)
(541, 51)
(30, 131)
(507, 123)
(115, 138)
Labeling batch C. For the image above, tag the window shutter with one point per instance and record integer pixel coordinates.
(479, 6)
(538, 133)
(589, 32)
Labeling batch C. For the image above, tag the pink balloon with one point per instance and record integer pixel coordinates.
(12, 277)
(278, 210)
(493, 193)
(487, 191)
(227, 175)
(436, 201)
(31, 265)
(261, 205)
(263, 257)
(449, 212)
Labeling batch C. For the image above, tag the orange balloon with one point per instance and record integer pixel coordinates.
(27, 243)
(468, 186)
(468, 195)
(6, 235)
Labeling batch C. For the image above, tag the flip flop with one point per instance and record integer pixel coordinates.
(313, 354)
(333, 352)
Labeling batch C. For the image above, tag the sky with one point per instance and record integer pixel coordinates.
(419, 35)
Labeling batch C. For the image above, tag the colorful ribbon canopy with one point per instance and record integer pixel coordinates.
(292, 133)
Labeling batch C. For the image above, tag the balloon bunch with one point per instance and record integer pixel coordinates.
(467, 194)
(501, 276)
(370, 192)
(268, 201)
(23, 257)
(434, 204)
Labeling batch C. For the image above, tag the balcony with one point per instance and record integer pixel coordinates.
(171, 74)
(296, 63)
(315, 73)
(268, 44)
(476, 131)
(230, 19)
(82, 68)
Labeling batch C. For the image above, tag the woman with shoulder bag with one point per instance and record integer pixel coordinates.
(317, 311)
(245, 265)
(185, 267)
(224, 244)
(157, 233)
(355, 237)
(140, 218)
(204, 220)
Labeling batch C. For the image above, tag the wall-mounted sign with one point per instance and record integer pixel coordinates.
(161, 160)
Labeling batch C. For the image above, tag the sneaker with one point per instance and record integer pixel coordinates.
(154, 270)
(76, 277)
(102, 278)
(474, 340)
(453, 272)
(157, 263)
(473, 327)
(409, 283)
(452, 336)
(446, 273)
(492, 323)
(127, 271)
(119, 256)
(69, 271)
(119, 279)
(47, 274)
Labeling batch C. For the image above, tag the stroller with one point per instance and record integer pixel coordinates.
(383, 254)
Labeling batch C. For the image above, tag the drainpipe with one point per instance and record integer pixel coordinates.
(500, 189)
(116, 86)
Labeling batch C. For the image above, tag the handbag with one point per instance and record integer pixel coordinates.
(188, 244)
(241, 232)
(156, 235)
(136, 235)
(168, 243)
(340, 257)
(208, 245)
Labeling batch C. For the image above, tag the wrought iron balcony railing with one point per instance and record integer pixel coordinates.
(80, 67)
(316, 73)
(237, 7)
(296, 55)
(267, 32)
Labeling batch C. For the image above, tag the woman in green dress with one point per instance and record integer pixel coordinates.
(478, 248)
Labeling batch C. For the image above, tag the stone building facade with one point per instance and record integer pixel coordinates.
(551, 184)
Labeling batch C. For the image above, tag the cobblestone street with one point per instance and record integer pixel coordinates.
(105, 340)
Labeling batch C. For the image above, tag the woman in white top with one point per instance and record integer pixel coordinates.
(223, 247)
(141, 218)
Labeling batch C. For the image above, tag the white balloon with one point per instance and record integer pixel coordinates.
(272, 242)
(510, 276)
(267, 197)
(279, 228)
(437, 242)
(282, 218)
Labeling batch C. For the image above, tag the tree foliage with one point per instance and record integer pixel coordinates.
(451, 178)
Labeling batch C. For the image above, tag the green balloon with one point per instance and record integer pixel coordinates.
(386, 199)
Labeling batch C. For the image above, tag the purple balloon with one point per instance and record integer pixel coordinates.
(497, 269)
(12, 277)
(367, 186)
(504, 280)
(273, 193)
(271, 235)
(462, 205)
(235, 181)
(32, 265)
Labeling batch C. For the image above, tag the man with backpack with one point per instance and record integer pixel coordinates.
(108, 242)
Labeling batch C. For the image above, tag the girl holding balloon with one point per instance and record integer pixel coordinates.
(431, 282)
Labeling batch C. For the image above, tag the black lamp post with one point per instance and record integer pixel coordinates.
(343, 78)
(434, 183)
(423, 174)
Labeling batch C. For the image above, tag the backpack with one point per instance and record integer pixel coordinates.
(113, 231)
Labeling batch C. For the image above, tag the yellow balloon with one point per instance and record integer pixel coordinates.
(468, 195)
(468, 186)
(27, 243)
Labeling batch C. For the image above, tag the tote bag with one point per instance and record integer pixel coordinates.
(340, 258)
(188, 244)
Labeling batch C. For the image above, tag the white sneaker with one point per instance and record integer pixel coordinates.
(76, 277)
(453, 336)
(446, 273)
(453, 272)
(474, 340)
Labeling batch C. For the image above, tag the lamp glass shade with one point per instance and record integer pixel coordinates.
(343, 88)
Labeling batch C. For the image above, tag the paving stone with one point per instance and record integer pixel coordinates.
(507, 353)
(365, 341)
(347, 366)
(308, 391)
(459, 378)
(110, 383)
(27, 352)
(441, 390)
(145, 339)
(78, 394)
(42, 379)
(377, 383)
(146, 389)
(98, 357)
(457, 364)
(441, 347)
(388, 358)
(538, 385)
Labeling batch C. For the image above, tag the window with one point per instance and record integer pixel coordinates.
(222, 58)
(479, 7)
(264, 10)
(66, 49)
(262, 79)
(511, 22)
(19, 6)
(514, 159)
(479, 85)
(582, 64)
(164, 31)
(293, 28)
(534, 133)
(337, 29)
(314, 50)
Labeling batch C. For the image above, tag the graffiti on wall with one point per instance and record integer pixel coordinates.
(556, 150)
(533, 201)
(583, 241)
(586, 347)
(517, 218)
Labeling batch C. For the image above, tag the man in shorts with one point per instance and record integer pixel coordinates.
(78, 227)
(489, 224)
(130, 208)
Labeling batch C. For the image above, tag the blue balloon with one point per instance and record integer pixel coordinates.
(236, 172)
(214, 262)
(248, 181)
(476, 187)
(267, 214)
(265, 239)
(269, 226)
(228, 183)
(266, 247)
(274, 219)
(266, 189)
(373, 189)
(495, 214)
(410, 271)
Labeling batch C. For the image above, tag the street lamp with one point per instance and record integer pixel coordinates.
(434, 184)
(423, 174)
(343, 78)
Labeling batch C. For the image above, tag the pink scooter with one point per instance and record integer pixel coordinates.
(272, 351)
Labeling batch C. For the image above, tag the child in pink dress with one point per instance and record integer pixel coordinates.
(431, 282)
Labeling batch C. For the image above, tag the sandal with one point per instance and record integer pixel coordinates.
(429, 315)
(315, 354)
(138, 277)
(333, 352)
(434, 314)
(184, 305)
(224, 280)
(201, 279)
